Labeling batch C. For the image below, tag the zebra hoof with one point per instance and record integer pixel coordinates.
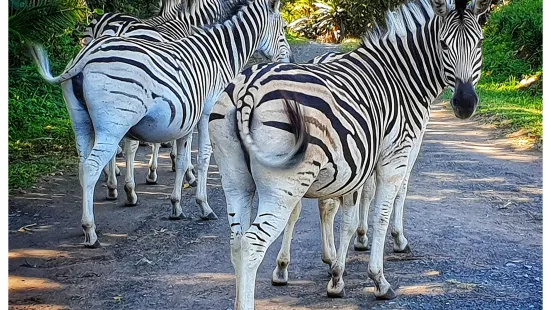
(407, 249)
(390, 294)
(340, 294)
(177, 217)
(210, 217)
(278, 283)
(130, 203)
(112, 194)
(360, 248)
(150, 181)
(193, 184)
(93, 246)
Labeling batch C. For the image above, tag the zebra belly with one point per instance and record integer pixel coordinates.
(328, 184)
(157, 127)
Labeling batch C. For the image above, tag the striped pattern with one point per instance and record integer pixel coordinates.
(322, 130)
(157, 91)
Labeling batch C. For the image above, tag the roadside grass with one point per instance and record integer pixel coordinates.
(40, 135)
(518, 112)
(350, 44)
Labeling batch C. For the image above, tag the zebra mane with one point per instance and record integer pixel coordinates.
(228, 9)
(403, 19)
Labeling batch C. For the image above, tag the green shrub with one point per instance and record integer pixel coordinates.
(513, 40)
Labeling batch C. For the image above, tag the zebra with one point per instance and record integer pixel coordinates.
(157, 91)
(326, 129)
(176, 21)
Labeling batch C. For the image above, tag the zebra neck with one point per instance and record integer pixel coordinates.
(237, 39)
(413, 62)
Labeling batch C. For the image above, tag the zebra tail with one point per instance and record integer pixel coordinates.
(43, 63)
(297, 126)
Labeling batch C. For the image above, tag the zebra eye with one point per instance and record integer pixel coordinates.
(445, 47)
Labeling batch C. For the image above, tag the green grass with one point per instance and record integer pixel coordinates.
(507, 107)
(350, 44)
(294, 39)
(40, 135)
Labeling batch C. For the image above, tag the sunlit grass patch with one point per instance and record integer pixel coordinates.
(508, 107)
(350, 44)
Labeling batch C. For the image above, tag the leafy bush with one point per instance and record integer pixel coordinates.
(513, 40)
(334, 20)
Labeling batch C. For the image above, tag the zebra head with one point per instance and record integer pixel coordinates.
(461, 49)
(273, 43)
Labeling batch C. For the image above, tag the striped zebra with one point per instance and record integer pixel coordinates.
(157, 91)
(176, 21)
(321, 131)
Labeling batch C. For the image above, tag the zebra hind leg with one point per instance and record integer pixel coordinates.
(328, 209)
(151, 177)
(280, 276)
(349, 220)
(368, 191)
(203, 161)
(177, 212)
(130, 148)
(112, 192)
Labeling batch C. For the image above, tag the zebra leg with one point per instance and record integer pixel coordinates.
(368, 191)
(280, 276)
(328, 209)
(401, 244)
(239, 188)
(390, 175)
(173, 154)
(203, 161)
(273, 215)
(177, 212)
(190, 170)
(349, 223)
(153, 162)
(112, 192)
(130, 148)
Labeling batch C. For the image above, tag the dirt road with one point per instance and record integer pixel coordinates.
(473, 218)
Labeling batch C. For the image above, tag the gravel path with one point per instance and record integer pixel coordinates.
(473, 217)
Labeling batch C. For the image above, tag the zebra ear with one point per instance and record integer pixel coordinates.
(275, 4)
(440, 7)
(479, 7)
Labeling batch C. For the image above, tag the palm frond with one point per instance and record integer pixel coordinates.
(38, 20)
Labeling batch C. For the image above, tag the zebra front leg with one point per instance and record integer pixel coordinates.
(349, 224)
(280, 276)
(151, 177)
(130, 148)
(390, 175)
(368, 192)
(401, 244)
(328, 209)
(112, 192)
(203, 161)
(177, 212)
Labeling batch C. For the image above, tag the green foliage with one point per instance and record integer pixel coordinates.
(334, 20)
(138, 8)
(513, 40)
(36, 20)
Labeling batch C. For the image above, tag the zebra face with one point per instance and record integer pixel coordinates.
(461, 49)
(273, 44)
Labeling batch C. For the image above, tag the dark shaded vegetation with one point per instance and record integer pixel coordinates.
(40, 135)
